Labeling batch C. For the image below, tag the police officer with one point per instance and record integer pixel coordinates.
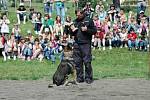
(82, 29)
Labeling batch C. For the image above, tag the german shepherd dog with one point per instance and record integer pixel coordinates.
(65, 68)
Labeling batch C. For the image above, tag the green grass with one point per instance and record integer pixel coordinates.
(115, 63)
(120, 63)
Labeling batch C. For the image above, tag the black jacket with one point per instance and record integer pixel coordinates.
(84, 37)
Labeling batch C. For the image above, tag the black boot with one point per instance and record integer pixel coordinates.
(80, 74)
(88, 73)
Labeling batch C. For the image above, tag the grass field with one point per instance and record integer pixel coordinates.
(115, 63)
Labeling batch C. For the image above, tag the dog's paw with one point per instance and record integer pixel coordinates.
(51, 85)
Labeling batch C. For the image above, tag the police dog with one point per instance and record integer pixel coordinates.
(65, 68)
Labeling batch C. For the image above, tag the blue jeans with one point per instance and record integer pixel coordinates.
(131, 44)
(116, 43)
(27, 52)
(17, 37)
(60, 10)
(37, 27)
(48, 8)
(143, 43)
(49, 55)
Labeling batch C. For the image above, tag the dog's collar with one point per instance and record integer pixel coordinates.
(67, 58)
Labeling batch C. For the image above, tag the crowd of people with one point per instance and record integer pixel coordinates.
(115, 29)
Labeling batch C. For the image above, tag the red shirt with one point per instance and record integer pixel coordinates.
(132, 36)
(100, 34)
(2, 40)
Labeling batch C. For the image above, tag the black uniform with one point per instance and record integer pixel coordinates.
(82, 48)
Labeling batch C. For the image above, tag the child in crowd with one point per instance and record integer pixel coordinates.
(116, 40)
(123, 36)
(16, 31)
(58, 26)
(37, 23)
(108, 39)
(21, 46)
(132, 39)
(112, 13)
(143, 34)
(11, 47)
(2, 46)
(30, 36)
(32, 14)
(67, 24)
(4, 22)
(49, 52)
(26, 49)
(37, 50)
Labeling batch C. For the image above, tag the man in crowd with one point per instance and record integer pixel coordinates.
(82, 29)
(21, 13)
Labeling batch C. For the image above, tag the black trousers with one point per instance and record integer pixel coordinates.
(82, 56)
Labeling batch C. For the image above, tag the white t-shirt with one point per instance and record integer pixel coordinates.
(4, 26)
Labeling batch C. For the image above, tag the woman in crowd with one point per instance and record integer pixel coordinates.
(58, 26)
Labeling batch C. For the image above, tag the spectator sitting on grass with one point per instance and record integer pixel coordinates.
(116, 40)
(27, 49)
(108, 39)
(112, 13)
(88, 10)
(32, 14)
(143, 34)
(37, 50)
(99, 7)
(132, 39)
(67, 24)
(97, 41)
(140, 16)
(47, 22)
(4, 22)
(122, 17)
(2, 46)
(30, 36)
(21, 13)
(11, 47)
(49, 52)
(17, 32)
(123, 36)
(101, 12)
(37, 23)
(58, 26)
(21, 46)
(132, 24)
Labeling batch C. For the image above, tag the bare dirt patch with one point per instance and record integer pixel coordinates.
(111, 89)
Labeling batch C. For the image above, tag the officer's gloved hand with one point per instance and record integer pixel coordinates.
(84, 28)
